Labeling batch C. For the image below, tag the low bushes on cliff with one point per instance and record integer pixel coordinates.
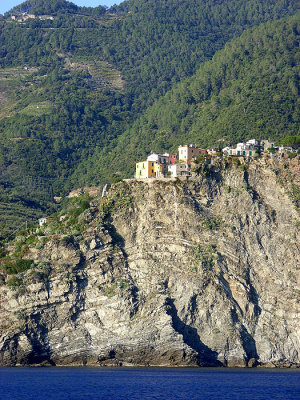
(204, 257)
(14, 282)
(117, 199)
(16, 266)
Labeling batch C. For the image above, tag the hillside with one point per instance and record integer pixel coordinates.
(45, 7)
(54, 8)
(162, 272)
(249, 89)
(71, 86)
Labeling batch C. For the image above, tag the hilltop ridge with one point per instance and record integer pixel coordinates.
(42, 7)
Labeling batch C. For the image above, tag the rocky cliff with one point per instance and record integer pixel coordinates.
(202, 272)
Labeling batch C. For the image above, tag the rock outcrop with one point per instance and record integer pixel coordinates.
(172, 272)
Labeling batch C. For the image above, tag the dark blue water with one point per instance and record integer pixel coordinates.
(148, 383)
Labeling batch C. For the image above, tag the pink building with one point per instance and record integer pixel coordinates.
(172, 158)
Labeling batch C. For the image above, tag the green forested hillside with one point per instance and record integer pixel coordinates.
(72, 86)
(249, 89)
(54, 7)
(40, 7)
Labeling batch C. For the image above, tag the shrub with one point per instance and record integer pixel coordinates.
(3, 252)
(37, 276)
(211, 223)
(236, 161)
(31, 240)
(204, 256)
(67, 241)
(291, 141)
(123, 284)
(118, 199)
(111, 290)
(16, 266)
(14, 282)
(116, 179)
(78, 206)
(295, 194)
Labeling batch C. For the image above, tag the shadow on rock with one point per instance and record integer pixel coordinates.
(207, 357)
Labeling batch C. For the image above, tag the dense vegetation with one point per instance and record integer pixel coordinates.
(249, 89)
(71, 88)
(54, 7)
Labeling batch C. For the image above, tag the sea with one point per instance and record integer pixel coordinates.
(59, 383)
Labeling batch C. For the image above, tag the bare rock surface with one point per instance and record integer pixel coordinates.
(168, 273)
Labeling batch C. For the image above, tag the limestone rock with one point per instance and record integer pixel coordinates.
(176, 273)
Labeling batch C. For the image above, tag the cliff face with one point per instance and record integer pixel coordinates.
(168, 272)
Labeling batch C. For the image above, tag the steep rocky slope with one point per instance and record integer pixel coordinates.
(167, 272)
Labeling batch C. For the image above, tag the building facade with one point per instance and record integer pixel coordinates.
(148, 169)
(189, 152)
(172, 158)
(180, 169)
(162, 159)
(248, 149)
(266, 144)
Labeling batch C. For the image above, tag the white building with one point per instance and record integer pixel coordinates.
(42, 221)
(212, 152)
(241, 152)
(288, 149)
(162, 159)
(44, 17)
(253, 142)
(243, 149)
(180, 169)
(240, 146)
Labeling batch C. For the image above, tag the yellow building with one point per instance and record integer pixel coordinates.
(158, 170)
(148, 169)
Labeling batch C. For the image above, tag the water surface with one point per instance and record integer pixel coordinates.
(148, 383)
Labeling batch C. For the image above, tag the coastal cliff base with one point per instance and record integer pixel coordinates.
(198, 272)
